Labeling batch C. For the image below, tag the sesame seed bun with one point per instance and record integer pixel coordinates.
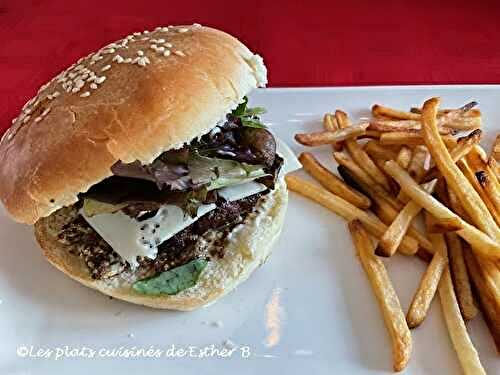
(249, 246)
(131, 100)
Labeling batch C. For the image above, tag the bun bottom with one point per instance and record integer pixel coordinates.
(248, 247)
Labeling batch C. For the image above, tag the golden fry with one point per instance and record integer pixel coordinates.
(330, 124)
(411, 139)
(376, 151)
(360, 156)
(386, 296)
(429, 283)
(460, 277)
(380, 110)
(331, 182)
(488, 303)
(469, 198)
(392, 237)
(404, 157)
(330, 137)
(345, 209)
(375, 189)
(467, 354)
(479, 240)
(463, 147)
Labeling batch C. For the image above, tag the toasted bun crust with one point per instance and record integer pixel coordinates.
(248, 248)
(128, 101)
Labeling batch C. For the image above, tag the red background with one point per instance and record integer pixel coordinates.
(304, 43)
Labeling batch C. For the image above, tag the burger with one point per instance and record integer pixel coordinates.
(145, 171)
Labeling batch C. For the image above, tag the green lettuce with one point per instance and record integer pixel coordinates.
(172, 281)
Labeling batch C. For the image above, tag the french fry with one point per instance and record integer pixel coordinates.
(376, 151)
(495, 168)
(475, 183)
(410, 139)
(360, 156)
(392, 237)
(460, 276)
(495, 150)
(487, 301)
(342, 159)
(386, 296)
(480, 241)
(380, 110)
(435, 225)
(406, 126)
(404, 157)
(429, 283)
(478, 163)
(332, 182)
(370, 134)
(345, 209)
(491, 188)
(461, 119)
(467, 354)
(384, 210)
(416, 168)
(330, 124)
(469, 198)
(330, 137)
(463, 147)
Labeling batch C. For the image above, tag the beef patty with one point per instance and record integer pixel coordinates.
(203, 239)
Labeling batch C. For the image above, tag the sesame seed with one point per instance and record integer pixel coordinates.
(45, 112)
(27, 111)
(56, 94)
(166, 53)
(180, 53)
(161, 41)
(160, 49)
(72, 75)
(158, 28)
(38, 119)
(10, 135)
(100, 79)
(143, 61)
(14, 120)
(93, 86)
(168, 45)
(183, 30)
(145, 38)
(118, 59)
(153, 46)
(164, 29)
(128, 60)
(79, 83)
(74, 90)
(79, 67)
(85, 94)
(136, 34)
(107, 67)
(145, 32)
(26, 119)
(196, 25)
(140, 53)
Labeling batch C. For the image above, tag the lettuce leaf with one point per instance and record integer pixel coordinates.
(172, 281)
(249, 116)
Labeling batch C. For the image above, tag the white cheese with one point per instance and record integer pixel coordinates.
(131, 238)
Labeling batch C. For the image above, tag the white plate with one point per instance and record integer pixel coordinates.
(308, 310)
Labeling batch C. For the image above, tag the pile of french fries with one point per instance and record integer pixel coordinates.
(393, 168)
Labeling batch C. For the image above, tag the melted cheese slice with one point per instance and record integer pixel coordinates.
(131, 238)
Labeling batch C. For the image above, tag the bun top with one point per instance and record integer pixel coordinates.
(131, 100)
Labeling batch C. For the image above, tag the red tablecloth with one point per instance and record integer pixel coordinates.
(304, 43)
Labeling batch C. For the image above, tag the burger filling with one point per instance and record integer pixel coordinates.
(164, 221)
